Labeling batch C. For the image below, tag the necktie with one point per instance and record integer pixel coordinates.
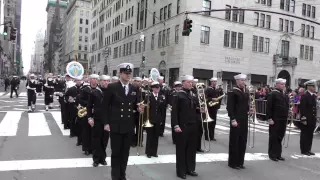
(124, 88)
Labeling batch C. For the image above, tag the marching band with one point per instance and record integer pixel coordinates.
(96, 108)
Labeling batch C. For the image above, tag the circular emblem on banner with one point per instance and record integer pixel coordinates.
(75, 69)
(154, 74)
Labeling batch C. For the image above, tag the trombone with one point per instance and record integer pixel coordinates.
(140, 124)
(203, 105)
(252, 117)
(289, 121)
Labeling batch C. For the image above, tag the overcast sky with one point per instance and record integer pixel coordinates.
(33, 19)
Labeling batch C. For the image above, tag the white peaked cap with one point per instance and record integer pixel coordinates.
(195, 80)
(79, 78)
(187, 78)
(280, 80)
(137, 78)
(125, 65)
(161, 78)
(94, 76)
(145, 79)
(177, 83)
(115, 78)
(214, 79)
(240, 76)
(31, 75)
(154, 83)
(105, 77)
(310, 83)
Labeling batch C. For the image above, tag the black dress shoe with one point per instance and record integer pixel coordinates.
(103, 163)
(311, 153)
(234, 167)
(213, 139)
(182, 176)
(200, 150)
(78, 144)
(281, 159)
(95, 164)
(123, 178)
(192, 173)
(149, 156)
(86, 153)
(274, 159)
(155, 155)
(242, 167)
(306, 153)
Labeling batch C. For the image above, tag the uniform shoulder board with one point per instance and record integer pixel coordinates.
(235, 88)
(275, 90)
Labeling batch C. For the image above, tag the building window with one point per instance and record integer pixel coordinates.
(291, 26)
(79, 47)
(169, 10)
(80, 20)
(282, 4)
(233, 39)
(240, 40)
(228, 13)
(205, 35)
(86, 39)
(261, 43)
(311, 53)
(301, 51)
(165, 12)
(206, 6)
(139, 47)
(86, 31)
(80, 29)
(87, 22)
(308, 31)
(306, 53)
(136, 46)
(285, 46)
(286, 25)
(267, 45)
(287, 5)
(293, 5)
(85, 56)
(235, 14)
(79, 55)
(144, 44)
(163, 38)
(178, 6)
(312, 32)
(161, 13)
(303, 28)
(241, 16)
(176, 34)
(269, 2)
(304, 9)
(313, 12)
(262, 19)
(159, 39)
(154, 18)
(280, 24)
(268, 22)
(255, 43)
(80, 38)
(226, 38)
(152, 42)
(308, 10)
(120, 51)
(256, 18)
(168, 37)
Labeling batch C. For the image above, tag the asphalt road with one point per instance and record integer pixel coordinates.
(34, 146)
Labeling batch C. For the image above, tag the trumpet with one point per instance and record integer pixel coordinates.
(203, 105)
(82, 111)
(252, 117)
(215, 101)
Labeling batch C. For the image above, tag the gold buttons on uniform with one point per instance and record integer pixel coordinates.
(122, 103)
(128, 115)
(129, 103)
(121, 109)
(121, 115)
(129, 109)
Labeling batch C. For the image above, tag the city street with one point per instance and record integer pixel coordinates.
(34, 146)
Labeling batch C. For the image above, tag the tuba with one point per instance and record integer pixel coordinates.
(200, 87)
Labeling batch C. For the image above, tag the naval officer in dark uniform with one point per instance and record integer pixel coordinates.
(238, 108)
(308, 112)
(157, 103)
(277, 115)
(120, 103)
(184, 120)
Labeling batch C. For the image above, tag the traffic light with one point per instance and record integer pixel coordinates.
(13, 34)
(187, 25)
(143, 60)
(5, 31)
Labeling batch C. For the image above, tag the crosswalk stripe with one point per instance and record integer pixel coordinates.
(25, 165)
(23, 94)
(57, 117)
(38, 125)
(9, 124)
(2, 93)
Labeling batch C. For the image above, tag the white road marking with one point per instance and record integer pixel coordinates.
(23, 94)
(24, 165)
(9, 124)
(2, 93)
(57, 117)
(38, 125)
